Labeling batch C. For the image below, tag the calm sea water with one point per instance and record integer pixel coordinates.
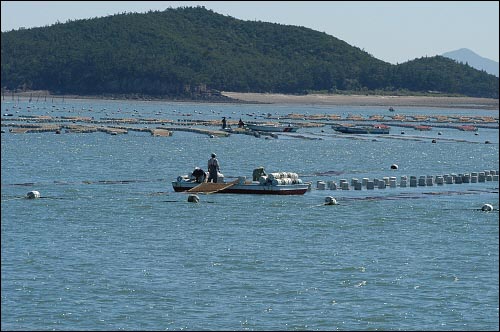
(110, 246)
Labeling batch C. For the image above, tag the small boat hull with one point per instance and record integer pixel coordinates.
(271, 128)
(248, 188)
(467, 128)
(361, 130)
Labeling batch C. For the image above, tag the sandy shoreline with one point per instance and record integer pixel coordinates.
(361, 100)
(314, 99)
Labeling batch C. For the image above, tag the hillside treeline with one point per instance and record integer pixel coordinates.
(192, 51)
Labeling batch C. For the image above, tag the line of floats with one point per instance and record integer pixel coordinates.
(408, 181)
(379, 124)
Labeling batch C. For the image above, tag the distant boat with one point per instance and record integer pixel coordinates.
(272, 127)
(423, 128)
(391, 109)
(283, 183)
(246, 188)
(467, 128)
(376, 129)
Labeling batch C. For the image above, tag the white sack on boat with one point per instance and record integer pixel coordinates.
(283, 175)
(182, 178)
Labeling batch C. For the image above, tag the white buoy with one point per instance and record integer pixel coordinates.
(332, 185)
(33, 194)
(413, 181)
(329, 200)
(321, 185)
(344, 185)
(487, 207)
(193, 198)
(481, 177)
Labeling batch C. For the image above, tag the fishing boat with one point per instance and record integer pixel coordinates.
(282, 183)
(377, 129)
(272, 127)
(467, 128)
(422, 128)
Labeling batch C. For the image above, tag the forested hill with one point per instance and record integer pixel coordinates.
(195, 51)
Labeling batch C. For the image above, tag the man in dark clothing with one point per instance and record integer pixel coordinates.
(199, 175)
(223, 122)
(213, 168)
(257, 173)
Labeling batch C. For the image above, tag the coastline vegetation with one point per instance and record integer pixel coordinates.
(192, 53)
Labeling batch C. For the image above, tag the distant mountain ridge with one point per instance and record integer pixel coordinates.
(464, 55)
(194, 53)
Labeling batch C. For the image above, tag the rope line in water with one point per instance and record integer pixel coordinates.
(30, 184)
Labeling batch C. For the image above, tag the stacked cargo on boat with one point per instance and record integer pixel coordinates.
(280, 178)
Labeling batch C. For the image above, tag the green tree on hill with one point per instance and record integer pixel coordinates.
(191, 52)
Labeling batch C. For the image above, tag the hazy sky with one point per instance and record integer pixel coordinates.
(391, 31)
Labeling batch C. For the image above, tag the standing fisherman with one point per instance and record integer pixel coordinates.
(213, 168)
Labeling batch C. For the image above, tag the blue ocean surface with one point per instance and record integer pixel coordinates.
(110, 245)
